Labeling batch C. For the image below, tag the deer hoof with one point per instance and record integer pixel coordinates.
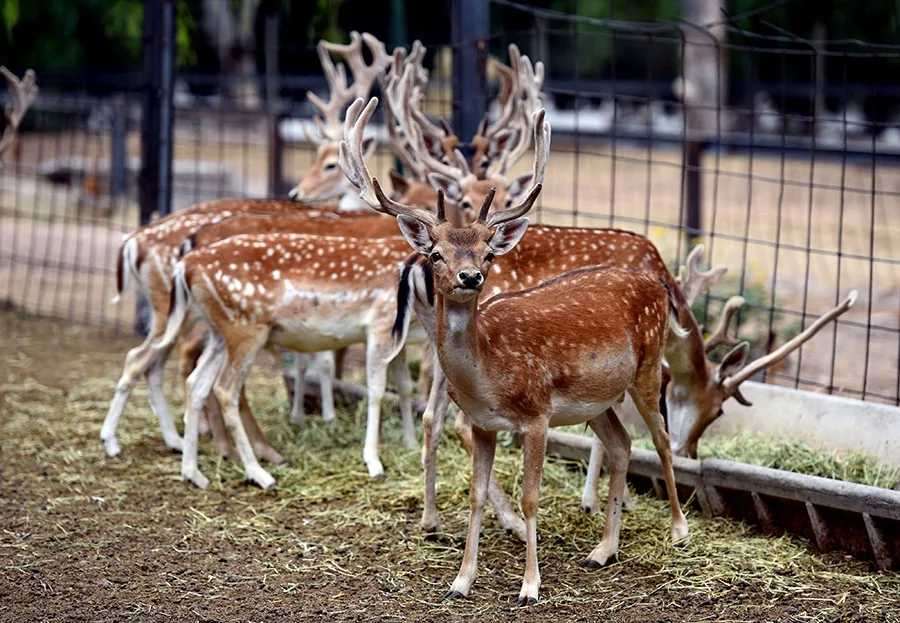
(524, 602)
(450, 595)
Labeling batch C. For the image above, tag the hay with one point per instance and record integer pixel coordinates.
(794, 456)
(330, 536)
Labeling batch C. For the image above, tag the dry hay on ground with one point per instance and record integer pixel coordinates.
(87, 537)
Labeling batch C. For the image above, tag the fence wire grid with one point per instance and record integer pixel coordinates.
(797, 184)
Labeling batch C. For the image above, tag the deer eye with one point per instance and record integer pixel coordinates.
(331, 166)
(467, 204)
(435, 257)
(720, 413)
(508, 202)
(489, 257)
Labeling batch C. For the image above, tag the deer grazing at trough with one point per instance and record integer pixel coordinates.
(559, 353)
(23, 94)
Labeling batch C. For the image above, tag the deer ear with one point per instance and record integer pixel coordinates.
(399, 183)
(517, 187)
(368, 146)
(452, 189)
(432, 145)
(507, 235)
(416, 233)
(498, 143)
(734, 360)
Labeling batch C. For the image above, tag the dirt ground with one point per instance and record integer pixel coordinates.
(84, 537)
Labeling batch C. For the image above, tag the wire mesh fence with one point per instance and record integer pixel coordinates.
(798, 182)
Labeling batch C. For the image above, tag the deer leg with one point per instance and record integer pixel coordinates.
(535, 442)
(339, 359)
(427, 370)
(432, 427)
(257, 437)
(228, 390)
(592, 480)
(190, 348)
(645, 394)
(325, 367)
(507, 517)
(376, 380)
(197, 390)
(160, 406)
(400, 373)
(592, 477)
(609, 430)
(216, 427)
(298, 416)
(137, 363)
(484, 444)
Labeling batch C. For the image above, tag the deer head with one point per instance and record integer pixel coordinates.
(23, 94)
(461, 256)
(324, 180)
(696, 395)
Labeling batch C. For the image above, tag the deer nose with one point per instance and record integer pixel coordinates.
(470, 279)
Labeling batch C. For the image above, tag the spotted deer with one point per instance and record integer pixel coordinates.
(499, 147)
(23, 94)
(560, 353)
(324, 180)
(145, 261)
(298, 291)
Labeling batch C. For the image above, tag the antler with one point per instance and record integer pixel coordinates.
(539, 166)
(364, 76)
(731, 383)
(719, 335)
(329, 122)
(401, 132)
(531, 80)
(693, 281)
(354, 166)
(23, 94)
(510, 106)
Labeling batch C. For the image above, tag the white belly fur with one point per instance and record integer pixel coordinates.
(565, 412)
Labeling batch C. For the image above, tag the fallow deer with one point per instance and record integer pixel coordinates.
(539, 357)
(146, 259)
(324, 181)
(23, 94)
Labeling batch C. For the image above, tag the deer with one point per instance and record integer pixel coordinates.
(23, 94)
(324, 180)
(602, 246)
(145, 261)
(299, 291)
(159, 242)
(538, 357)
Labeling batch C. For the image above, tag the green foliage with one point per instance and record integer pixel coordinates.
(10, 14)
(754, 318)
(88, 34)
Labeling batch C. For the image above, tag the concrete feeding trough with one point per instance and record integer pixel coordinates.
(833, 514)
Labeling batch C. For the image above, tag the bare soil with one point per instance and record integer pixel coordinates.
(84, 537)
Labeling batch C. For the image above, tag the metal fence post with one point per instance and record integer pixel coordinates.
(470, 29)
(154, 180)
(702, 91)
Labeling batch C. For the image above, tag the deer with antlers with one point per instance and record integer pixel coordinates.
(23, 94)
(539, 357)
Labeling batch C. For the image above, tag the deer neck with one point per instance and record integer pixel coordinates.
(460, 344)
(350, 201)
